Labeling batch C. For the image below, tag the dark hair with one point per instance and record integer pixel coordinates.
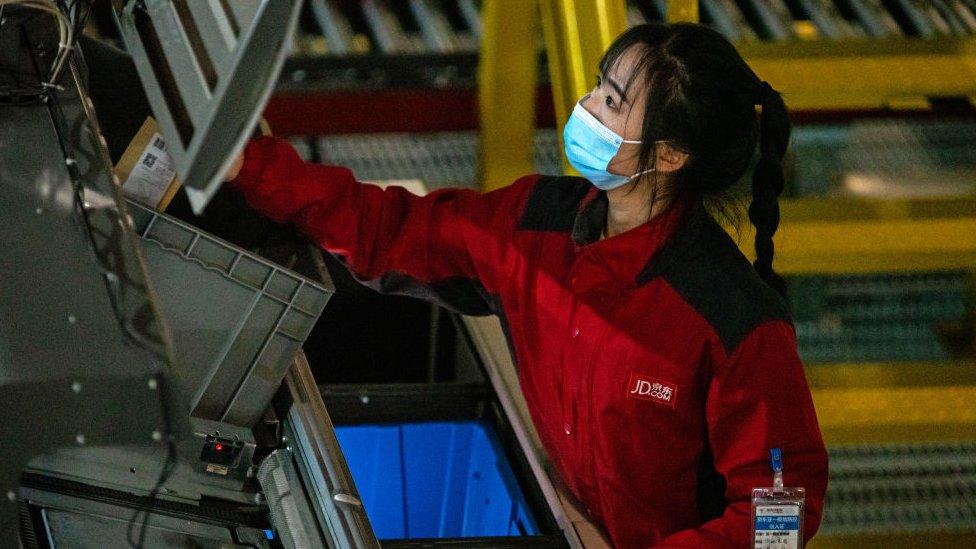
(701, 97)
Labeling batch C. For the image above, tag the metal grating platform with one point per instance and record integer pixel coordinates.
(906, 158)
(884, 158)
(331, 27)
(901, 488)
(875, 318)
(437, 159)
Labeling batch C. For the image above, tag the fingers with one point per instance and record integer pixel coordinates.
(235, 168)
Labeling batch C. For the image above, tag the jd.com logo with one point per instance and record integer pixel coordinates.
(649, 388)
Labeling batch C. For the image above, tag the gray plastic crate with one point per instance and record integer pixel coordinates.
(237, 320)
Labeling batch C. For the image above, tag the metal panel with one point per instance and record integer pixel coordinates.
(91, 530)
(135, 469)
(43, 234)
(289, 509)
(206, 128)
(70, 519)
(492, 348)
(183, 62)
(78, 323)
(328, 480)
(218, 38)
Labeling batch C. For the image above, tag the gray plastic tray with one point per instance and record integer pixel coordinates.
(237, 320)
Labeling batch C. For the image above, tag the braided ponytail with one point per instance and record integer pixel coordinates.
(702, 98)
(768, 181)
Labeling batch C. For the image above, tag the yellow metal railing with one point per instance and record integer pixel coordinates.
(811, 74)
(894, 403)
(682, 11)
(576, 34)
(891, 402)
(856, 236)
(866, 73)
(508, 77)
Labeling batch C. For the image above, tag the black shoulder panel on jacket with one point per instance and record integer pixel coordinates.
(720, 283)
(553, 204)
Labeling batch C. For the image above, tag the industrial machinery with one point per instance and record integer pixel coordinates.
(227, 438)
(151, 375)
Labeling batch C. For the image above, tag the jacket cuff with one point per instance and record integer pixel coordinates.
(257, 154)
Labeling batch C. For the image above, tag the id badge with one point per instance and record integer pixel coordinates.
(777, 518)
(777, 512)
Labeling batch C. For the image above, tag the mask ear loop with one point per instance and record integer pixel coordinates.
(638, 174)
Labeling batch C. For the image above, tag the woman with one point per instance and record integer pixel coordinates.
(659, 366)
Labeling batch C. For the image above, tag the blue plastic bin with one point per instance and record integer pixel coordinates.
(435, 480)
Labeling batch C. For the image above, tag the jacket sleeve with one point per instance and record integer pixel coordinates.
(444, 247)
(759, 399)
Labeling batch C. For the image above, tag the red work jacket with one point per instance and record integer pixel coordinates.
(658, 368)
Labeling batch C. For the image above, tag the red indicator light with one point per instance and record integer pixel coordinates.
(218, 446)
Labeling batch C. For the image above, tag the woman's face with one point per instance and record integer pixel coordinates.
(621, 108)
(619, 103)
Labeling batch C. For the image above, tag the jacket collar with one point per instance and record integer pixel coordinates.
(591, 218)
(644, 252)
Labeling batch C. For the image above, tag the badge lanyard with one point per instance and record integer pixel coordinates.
(777, 511)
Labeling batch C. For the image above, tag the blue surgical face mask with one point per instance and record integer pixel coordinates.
(590, 146)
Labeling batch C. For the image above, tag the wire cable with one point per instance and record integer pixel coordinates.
(115, 275)
(66, 34)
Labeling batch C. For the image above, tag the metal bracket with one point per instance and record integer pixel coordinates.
(208, 69)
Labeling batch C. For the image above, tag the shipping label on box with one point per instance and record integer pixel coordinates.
(146, 169)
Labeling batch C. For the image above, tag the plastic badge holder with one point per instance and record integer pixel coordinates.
(777, 511)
